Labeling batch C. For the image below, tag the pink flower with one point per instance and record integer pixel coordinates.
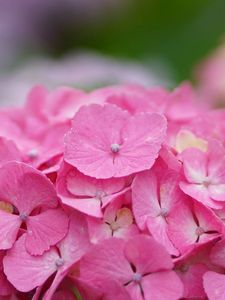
(141, 265)
(153, 201)
(191, 224)
(35, 270)
(117, 222)
(214, 283)
(87, 194)
(106, 141)
(45, 108)
(35, 204)
(204, 174)
(8, 151)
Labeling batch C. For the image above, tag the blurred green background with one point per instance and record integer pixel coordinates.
(178, 33)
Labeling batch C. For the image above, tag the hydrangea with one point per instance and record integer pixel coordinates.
(114, 194)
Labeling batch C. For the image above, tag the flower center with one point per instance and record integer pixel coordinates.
(33, 153)
(115, 148)
(163, 212)
(23, 216)
(59, 262)
(137, 277)
(199, 231)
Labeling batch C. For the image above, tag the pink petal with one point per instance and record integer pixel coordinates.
(33, 270)
(143, 136)
(56, 282)
(5, 287)
(76, 243)
(105, 261)
(9, 227)
(45, 230)
(89, 206)
(218, 254)
(192, 281)
(207, 218)
(162, 285)
(214, 285)
(137, 251)
(194, 163)
(182, 227)
(81, 185)
(25, 187)
(216, 162)
(134, 291)
(144, 198)
(8, 151)
(88, 143)
(98, 230)
(158, 228)
(217, 191)
(200, 193)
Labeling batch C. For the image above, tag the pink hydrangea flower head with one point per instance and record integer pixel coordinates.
(35, 204)
(141, 265)
(106, 141)
(204, 174)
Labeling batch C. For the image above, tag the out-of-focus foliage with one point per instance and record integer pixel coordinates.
(177, 32)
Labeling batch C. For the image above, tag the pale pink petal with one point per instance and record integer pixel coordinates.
(137, 251)
(216, 162)
(217, 191)
(8, 151)
(200, 193)
(192, 281)
(9, 227)
(162, 285)
(194, 163)
(144, 198)
(81, 185)
(105, 261)
(25, 187)
(76, 243)
(158, 228)
(26, 272)
(214, 285)
(170, 193)
(98, 230)
(45, 230)
(182, 227)
(89, 206)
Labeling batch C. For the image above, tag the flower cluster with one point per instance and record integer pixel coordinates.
(114, 194)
